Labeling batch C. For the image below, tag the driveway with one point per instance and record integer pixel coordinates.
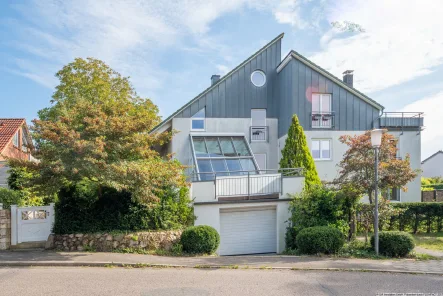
(62, 281)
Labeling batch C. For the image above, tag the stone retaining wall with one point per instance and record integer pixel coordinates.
(105, 242)
(5, 229)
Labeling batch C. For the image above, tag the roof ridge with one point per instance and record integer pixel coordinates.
(280, 36)
(439, 151)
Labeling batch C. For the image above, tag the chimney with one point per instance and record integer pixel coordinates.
(214, 79)
(348, 77)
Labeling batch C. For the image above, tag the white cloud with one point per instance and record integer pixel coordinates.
(432, 135)
(402, 41)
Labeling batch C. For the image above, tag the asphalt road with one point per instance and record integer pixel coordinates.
(169, 281)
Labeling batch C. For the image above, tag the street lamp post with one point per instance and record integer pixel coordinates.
(376, 136)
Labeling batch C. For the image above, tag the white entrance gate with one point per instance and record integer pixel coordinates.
(31, 224)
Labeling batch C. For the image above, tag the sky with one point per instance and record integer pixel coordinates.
(170, 49)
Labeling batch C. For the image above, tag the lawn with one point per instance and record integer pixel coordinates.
(430, 241)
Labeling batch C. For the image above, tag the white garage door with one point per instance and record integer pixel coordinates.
(249, 231)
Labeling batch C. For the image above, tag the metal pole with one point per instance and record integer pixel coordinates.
(248, 186)
(376, 203)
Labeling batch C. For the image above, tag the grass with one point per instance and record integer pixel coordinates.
(430, 241)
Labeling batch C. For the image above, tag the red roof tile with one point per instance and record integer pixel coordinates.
(8, 127)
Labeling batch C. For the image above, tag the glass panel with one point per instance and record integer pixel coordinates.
(325, 150)
(198, 124)
(219, 165)
(200, 147)
(227, 147)
(315, 149)
(200, 113)
(234, 165)
(325, 103)
(315, 103)
(248, 165)
(258, 117)
(213, 147)
(258, 78)
(240, 146)
(204, 166)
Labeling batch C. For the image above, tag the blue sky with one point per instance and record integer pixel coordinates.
(171, 48)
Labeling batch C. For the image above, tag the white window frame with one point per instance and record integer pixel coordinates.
(262, 128)
(320, 140)
(321, 111)
(16, 140)
(199, 118)
(390, 194)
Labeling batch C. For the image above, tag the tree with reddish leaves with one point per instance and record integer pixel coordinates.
(357, 166)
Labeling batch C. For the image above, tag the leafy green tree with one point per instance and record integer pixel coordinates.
(98, 129)
(296, 154)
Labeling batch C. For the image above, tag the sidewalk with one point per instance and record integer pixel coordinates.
(51, 258)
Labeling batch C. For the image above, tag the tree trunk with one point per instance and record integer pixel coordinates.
(370, 196)
(100, 191)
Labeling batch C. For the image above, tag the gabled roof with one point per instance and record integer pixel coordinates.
(435, 154)
(216, 84)
(293, 54)
(8, 128)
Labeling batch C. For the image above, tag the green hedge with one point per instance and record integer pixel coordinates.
(434, 186)
(320, 239)
(200, 239)
(394, 243)
(80, 210)
(416, 217)
(10, 197)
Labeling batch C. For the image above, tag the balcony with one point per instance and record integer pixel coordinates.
(248, 185)
(259, 133)
(324, 120)
(402, 120)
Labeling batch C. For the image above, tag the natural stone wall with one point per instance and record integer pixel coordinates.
(105, 242)
(5, 229)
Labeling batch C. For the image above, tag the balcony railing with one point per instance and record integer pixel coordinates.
(259, 134)
(401, 119)
(322, 119)
(250, 184)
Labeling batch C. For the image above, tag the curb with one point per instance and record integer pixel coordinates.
(240, 267)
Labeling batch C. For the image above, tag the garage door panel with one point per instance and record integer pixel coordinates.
(248, 232)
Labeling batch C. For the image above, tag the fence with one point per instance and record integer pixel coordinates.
(432, 196)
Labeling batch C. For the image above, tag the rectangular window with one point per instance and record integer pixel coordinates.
(198, 120)
(321, 111)
(321, 149)
(24, 141)
(15, 140)
(258, 125)
(394, 194)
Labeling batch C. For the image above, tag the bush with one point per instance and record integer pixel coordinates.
(79, 209)
(10, 197)
(201, 239)
(320, 206)
(394, 243)
(320, 239)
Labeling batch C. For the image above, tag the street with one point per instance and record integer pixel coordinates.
(169, 281)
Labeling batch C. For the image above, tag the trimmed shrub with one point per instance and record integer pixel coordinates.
(394, 243)
(320, 239)
(200, 239)
(10, 197)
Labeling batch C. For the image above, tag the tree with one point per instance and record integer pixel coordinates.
(296, 154)
(98, 129)
(357, 165)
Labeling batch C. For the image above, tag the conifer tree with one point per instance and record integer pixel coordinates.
(296, 154)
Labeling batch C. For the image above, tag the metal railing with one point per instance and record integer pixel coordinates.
(250, 183)
(402, 120)
(258, 133)
(322, 119)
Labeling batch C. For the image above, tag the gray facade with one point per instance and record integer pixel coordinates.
(433, 165)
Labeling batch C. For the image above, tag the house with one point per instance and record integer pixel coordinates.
(433, 165)
(231, 136)
(15, 142)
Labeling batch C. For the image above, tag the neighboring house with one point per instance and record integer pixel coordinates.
(433, 165)
(15, 142)
(231, 136)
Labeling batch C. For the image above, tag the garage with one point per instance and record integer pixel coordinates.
(248, 231)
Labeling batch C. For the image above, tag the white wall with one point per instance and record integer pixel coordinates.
(433, 167)
(410, 143)
(209, 214)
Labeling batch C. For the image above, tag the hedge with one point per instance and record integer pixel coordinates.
(394, 243)
(320, 239)
(416, 217)
(202, 239)
(433, 186)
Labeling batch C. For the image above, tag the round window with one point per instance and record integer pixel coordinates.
(258, 78)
